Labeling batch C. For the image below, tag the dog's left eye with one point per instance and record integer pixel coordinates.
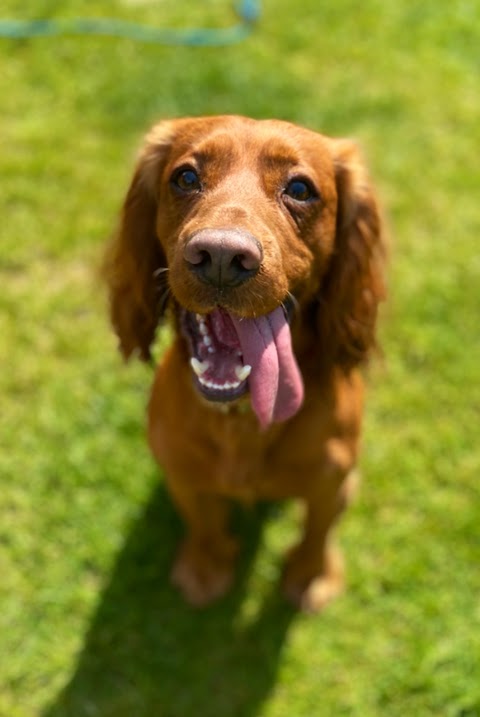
(187, 180)
(300, 190)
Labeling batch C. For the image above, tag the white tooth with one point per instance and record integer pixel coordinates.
(242, 372)
(199, 367)
(211, 350)
(203, 328)
(208, 384)
(207, 340)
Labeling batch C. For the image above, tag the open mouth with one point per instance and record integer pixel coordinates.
(216, 355)
(232, 355)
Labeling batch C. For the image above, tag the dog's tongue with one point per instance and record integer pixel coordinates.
(275, 382)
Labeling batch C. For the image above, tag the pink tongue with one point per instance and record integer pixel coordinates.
(275, 383)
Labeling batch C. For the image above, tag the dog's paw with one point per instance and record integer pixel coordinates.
(309, 587)
(204, 573)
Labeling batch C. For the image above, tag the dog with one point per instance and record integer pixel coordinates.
(262, 243)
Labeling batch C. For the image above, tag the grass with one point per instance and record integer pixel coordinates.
(88, 623)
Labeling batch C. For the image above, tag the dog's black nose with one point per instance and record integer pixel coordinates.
(223, 257)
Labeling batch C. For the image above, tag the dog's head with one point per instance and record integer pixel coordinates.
(235, 222)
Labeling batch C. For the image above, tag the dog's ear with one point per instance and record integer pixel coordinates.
(354, 284)
(135, 258)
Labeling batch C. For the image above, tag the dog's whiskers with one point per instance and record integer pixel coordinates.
(290, 306)
(163, 300)
(160, 276)
(294, 300)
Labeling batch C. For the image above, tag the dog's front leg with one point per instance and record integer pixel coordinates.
(204, 566)
(314, 572)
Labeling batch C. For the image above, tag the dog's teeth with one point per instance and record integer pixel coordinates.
(227, 386)
(211, 350)
(243, 372)
(202, 324)
(199, 367)
(207, 340)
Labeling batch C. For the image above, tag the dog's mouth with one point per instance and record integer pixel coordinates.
(231, 355)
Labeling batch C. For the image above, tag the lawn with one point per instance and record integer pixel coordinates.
(88, 623)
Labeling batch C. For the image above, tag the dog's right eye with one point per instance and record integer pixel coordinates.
(187, 180)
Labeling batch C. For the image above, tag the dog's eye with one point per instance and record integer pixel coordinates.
(187, 180)
(300, 190)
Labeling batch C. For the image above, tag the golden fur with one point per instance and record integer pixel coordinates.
(326, 252)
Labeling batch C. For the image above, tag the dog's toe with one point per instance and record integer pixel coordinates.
(308, 588)
(202, 575)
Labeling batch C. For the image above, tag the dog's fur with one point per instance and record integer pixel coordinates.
(318, 248)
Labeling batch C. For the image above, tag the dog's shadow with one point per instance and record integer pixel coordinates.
(147, 654)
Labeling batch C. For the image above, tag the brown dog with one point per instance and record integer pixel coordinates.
(262, 241)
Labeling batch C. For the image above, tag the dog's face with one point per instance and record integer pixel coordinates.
(243, 219)
(246, 214)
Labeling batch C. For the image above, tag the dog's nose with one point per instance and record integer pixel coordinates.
(223, 257)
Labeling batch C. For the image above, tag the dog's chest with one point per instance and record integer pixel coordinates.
(234, 473)
(238, 459)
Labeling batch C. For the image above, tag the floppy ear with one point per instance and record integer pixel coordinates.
(354, 284)
(135, 255)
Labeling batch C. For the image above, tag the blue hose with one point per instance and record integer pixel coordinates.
(248, 12)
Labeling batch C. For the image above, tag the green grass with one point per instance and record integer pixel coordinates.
(88, 623)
